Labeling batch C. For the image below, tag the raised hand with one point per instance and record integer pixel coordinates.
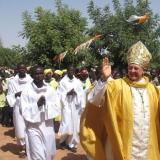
(106, 68)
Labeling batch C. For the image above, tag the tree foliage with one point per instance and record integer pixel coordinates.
(119, 35)
(50, 33)
(1, 44)
(9, 57)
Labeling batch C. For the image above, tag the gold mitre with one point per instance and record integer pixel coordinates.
(139, 54)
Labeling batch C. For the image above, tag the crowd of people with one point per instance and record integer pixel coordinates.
(39, 102)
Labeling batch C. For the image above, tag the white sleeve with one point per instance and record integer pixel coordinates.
(52, 107)
(96, 95)
(62, 94)
(29, 108)
(11, 99)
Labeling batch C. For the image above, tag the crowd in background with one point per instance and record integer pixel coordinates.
(87, 77)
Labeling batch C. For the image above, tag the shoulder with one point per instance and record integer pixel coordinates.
(50, 88)
(63, 80)
(29, 77)
(50, 92)
(116, 84)
(78, 81)
(154, 88)
(12, 81)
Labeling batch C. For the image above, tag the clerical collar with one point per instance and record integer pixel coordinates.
(22, 80)
(140, 84)
(71, 80)
(38, 90)
(142, 80)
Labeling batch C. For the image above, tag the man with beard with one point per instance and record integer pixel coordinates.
(122, 119)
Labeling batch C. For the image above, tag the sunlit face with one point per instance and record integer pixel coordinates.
(135, 72)
(38, 75)
(70, 72)
(22, 70)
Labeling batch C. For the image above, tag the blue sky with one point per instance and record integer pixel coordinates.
(11, 15)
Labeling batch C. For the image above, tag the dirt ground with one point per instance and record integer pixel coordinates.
(9, 150)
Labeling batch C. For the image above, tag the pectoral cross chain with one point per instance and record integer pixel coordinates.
(142, 100)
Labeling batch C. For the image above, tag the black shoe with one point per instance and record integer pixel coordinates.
(72, 149)
(62, 145)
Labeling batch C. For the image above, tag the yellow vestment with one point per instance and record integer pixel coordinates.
(113, 120)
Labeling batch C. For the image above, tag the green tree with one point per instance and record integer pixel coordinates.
(49, 33)
(119, 35)
(9, 57)
(1, 44)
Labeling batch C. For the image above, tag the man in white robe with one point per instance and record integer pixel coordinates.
(73, 102)
(39, 108)
(15, 87)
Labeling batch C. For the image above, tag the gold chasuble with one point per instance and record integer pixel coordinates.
(113, 120)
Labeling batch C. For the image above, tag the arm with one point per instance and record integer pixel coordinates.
(92, 131)
(11, 99)
(53, 108)
(62, 94)
(96, 94)
(29, 107)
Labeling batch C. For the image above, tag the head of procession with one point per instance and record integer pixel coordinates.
(70, 71)
(37, 74)
(138, 59)
(21, 70)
